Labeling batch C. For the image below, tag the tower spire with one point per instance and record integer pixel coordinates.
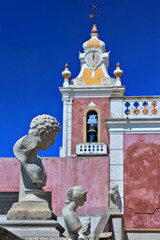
(94, 31)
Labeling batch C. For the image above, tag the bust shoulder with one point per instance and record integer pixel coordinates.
(23, 147)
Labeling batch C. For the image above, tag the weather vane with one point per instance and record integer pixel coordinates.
(94, 8)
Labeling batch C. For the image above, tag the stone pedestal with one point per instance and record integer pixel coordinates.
(7, 235)
(31, 210)
(113, 209)
(116, 226)
(32, 207)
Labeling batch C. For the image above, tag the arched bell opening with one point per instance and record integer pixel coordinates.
(92, 126)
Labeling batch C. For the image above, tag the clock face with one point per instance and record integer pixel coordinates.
(93, 58)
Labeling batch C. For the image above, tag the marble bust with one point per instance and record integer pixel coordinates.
(76, 229)
(41, 135)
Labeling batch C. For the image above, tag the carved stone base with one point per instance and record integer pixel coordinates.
(33, 230)
(31, 210)
(113, 209)
(7, 235)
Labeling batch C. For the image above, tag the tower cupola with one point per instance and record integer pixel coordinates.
(94, 41)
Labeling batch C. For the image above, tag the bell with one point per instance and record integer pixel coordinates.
(92, 129)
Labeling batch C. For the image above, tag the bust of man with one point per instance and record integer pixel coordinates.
(41, 135)
(32, 205)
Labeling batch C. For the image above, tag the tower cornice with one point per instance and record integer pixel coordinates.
(94, 91)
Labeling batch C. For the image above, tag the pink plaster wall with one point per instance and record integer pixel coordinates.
(90, 172)
(9, 176)
(78, 108)
(142, 187)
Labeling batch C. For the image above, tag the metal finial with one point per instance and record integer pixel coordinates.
(66, 65)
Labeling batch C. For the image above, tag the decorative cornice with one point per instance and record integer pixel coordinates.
(134, 125)
(94, 91)
(136, 97)
(124, 121)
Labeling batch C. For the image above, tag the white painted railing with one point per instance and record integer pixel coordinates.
(91, 149)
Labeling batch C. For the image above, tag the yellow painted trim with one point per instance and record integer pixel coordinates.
(99, 73)
(92, 81)
(84, 123)
(93, 43)
(96, 80)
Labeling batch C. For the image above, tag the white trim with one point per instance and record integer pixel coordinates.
(116, 164)
(69, 126)
(65, 150)
(92, 91)
(131, 126)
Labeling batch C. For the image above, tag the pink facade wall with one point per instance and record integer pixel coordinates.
(9, 176)
(90, 172)
(79, 106)
(142, 176)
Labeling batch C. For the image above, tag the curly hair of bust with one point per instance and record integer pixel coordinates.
(43, 124)
(76, 192)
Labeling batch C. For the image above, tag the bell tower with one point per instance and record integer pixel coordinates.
(86, 101)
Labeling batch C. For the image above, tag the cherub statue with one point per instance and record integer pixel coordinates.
(77, 230)
(42, 133)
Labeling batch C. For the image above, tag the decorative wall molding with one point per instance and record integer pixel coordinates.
(92, 91)
(92, 104)
(131, 126)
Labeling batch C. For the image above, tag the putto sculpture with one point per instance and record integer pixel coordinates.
(42, 133)
(76, 229)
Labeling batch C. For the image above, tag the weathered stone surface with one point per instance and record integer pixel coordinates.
(102, 224)
(34, 229)
(105, 235)
(46, 238)
(30, 211)
(7, 235)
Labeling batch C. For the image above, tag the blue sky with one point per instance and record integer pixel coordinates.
(37, 37)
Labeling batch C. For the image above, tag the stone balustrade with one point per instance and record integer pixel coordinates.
(91, 149)
(135, 107)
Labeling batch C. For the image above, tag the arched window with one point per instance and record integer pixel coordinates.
(92, 126)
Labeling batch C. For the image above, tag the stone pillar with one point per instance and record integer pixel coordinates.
(67, 126)
(65, 100)
(116, 162)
